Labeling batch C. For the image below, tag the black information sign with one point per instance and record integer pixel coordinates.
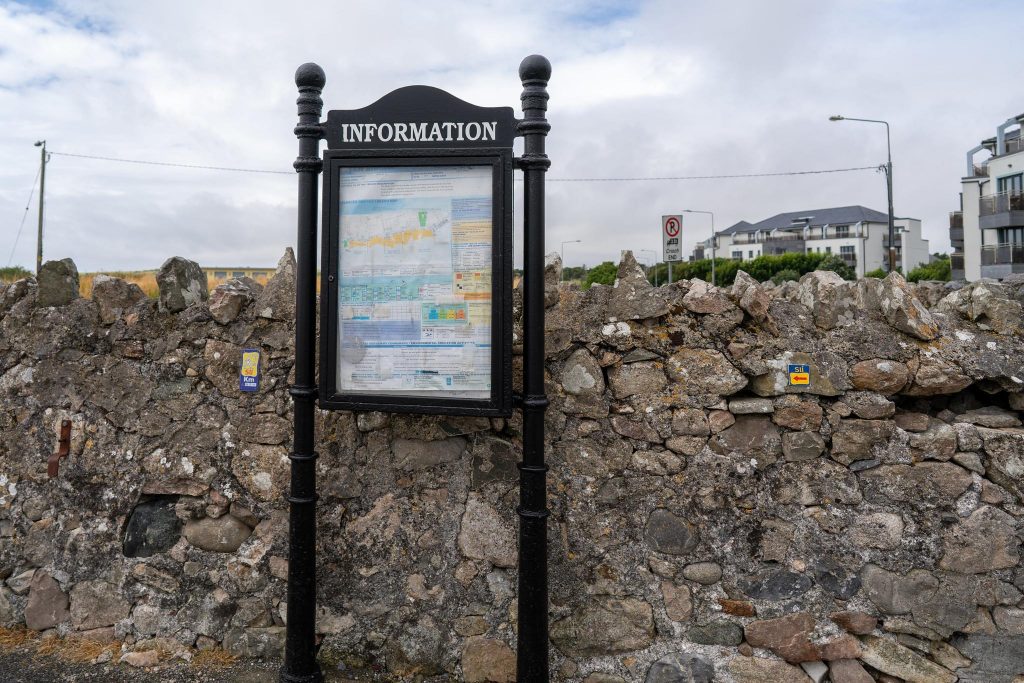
(416, 305)
(416, 308)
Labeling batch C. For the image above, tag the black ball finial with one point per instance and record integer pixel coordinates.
(310, 75)
(535, 68)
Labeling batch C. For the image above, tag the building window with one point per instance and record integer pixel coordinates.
(238, 273)
(847, 253)
(1011, 236)
(1011, 183)
(750, 254)
(842, 231)
(220, 274)
(738, 255)
(828, 250)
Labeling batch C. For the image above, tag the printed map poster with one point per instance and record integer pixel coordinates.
(414, 281)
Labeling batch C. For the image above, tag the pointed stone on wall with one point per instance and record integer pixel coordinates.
(58, 283)
(182, 283)
(277, 300)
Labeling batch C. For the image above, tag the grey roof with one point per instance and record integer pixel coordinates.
(839, 215)
(739, 227)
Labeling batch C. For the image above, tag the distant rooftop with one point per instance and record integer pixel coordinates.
(839, 215)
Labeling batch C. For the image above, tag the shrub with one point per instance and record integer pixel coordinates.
(786, 275)
(12, 273)
(877, 272)
(837, 265)
(936, 270)
(603, 274)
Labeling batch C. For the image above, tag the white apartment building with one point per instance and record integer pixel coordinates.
(988, 231)
(856, 234)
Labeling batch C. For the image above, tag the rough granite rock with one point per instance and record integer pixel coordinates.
(552, 278)
(486, 535)
(633, 297)
(984, 542)
(605, 625)
(221, 535)
(760, 670)
(878, 374)
(670, 534)
(896, 660)
(229, 299)
(114, 296)
(182, 283)
(95, 604)
(277, 300)
(898, 305)
(681, 667)
(47, 603)
(57, 283)
(485, 660)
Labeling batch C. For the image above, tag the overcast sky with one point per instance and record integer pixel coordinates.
(638, 89)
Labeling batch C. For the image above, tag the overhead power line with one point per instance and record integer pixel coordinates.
(167, 163)
(710, 177)
(148, 162)
(24, 216)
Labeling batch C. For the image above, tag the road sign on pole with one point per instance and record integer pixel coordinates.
(672, 238)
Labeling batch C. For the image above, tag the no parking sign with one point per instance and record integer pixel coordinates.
(672, 238)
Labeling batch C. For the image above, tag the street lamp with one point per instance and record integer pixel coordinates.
(888, 183)
(561, 253)
(710, 213)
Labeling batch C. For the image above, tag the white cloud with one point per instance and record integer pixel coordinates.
(644, 89)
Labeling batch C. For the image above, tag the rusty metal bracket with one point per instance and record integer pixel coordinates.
(64, 447)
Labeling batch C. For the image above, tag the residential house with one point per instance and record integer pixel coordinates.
(856, 234)
(988, 231)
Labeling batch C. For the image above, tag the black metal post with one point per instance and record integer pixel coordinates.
(532, 655)
(300, 665)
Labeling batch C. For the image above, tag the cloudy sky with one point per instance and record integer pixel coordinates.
(639, 90)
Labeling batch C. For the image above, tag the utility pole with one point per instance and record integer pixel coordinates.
(42, 191)
(888, 182)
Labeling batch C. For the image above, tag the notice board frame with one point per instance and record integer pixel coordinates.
(499, 404)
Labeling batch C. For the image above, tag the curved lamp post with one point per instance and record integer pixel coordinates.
(888, 182)
(712, 214)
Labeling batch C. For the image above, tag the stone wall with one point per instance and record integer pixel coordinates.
(710, 520)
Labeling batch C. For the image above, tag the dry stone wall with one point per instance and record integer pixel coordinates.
(710, 520)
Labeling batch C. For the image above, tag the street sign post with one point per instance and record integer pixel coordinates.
(671, 241)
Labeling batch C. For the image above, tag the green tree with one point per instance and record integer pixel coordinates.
(603, 274)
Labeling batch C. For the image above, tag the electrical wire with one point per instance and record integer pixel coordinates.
(710, 177)
(167, 163)
(24, 216)
(553, 180)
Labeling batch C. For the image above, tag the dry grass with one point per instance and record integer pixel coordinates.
(83, 650)
(48, 647)
(145, 280)
(11, 638)
(213, 659)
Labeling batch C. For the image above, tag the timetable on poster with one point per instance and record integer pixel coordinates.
(414, 280)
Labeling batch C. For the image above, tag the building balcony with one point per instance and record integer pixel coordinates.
(956, 220)
(979, 171)
(1003, 210)
(956, 265)
(787, 245)
(1000, 260)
